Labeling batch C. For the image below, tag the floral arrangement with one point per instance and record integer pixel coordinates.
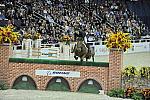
(136, 78)
(141, 72)
(7, 35)
(27, 36)
(144, 72)
(118, 40)
(146, 92)
(67, 39)
(129, 91)
(129, 71)
(36, 36)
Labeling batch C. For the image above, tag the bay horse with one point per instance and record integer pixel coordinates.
(83, 51)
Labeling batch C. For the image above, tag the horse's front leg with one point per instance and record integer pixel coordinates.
(86, 59)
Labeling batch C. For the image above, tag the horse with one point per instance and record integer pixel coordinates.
(83, 51)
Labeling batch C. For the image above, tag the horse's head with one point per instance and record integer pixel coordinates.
(80, 50)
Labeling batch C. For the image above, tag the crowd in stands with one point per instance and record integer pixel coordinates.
(123, 19)
(53, 19)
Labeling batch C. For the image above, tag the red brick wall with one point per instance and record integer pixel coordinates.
(99, 74)
(4, 64)
(115, 65)
(108, 77)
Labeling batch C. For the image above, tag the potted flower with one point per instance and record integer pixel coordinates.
(27, 36)
(8, 36)
(27, 42)
(118, 40)
(37, 40)
(36, 36)
(66, 39)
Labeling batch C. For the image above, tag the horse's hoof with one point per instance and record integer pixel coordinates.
(76, 58)
(86, 59)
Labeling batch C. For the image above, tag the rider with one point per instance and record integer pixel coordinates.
(82, 37)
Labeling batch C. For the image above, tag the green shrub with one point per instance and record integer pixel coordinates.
(137, 96)
(119, 92)
(3, 85)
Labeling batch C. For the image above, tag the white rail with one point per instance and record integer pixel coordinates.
(62, 51)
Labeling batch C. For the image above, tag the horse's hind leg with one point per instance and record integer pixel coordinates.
(81, 60)
(76, 58)
(93, 58)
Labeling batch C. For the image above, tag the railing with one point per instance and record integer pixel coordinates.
(132, 41)
(141, 41)
(34, 49)
(62, 51)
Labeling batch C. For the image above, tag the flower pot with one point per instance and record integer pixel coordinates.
(37, 43)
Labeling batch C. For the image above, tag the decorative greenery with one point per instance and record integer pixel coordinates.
(7, 35)
(3, 86)
(61, 62)
(144, 72)
(139, 77)
(136, 75)
(137, 96)
(130, 92)
(129, 71)
(148, 72)
(119, 92)
(118, 40)
(146, 92)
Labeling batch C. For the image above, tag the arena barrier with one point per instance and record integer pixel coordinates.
(34, 49)
(62, 75)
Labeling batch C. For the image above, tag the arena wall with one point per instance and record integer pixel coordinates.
(107, 76)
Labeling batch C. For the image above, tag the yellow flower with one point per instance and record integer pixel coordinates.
(118, 40)
(36, 36)
(7, 35)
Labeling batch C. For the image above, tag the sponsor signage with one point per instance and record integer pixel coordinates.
(57, 73)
